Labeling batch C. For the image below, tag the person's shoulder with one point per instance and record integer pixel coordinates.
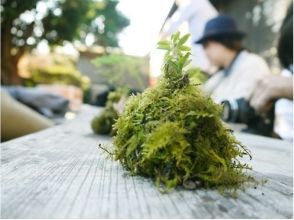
(215, 77)
(201, 4)
(210, 84)
(253, 60)
(251, 57)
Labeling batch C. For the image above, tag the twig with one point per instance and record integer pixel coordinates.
(100, 146)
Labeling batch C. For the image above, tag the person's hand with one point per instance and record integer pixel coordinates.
(268, 89)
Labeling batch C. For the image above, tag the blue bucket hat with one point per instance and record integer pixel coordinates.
(219, 26)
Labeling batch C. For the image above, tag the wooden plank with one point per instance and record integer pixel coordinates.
(270, 156)
(60, 173)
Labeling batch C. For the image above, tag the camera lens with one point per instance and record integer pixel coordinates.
(230, 111)
(226, 111)
(239, 111)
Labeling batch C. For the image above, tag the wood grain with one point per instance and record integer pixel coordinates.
(61, 173)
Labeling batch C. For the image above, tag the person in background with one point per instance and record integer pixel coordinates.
(279, 88)
(196, 14)
(238, 68)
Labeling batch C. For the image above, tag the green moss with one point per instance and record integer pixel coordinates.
(173, 133)
(102, 123)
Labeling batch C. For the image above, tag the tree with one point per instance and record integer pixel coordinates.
(25, 23)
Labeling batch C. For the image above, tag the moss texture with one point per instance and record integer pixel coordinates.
(174, 134)
(103, 123)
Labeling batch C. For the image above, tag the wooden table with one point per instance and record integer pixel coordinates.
(60, 173)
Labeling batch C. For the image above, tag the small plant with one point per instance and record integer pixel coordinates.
(174, 134)
(102, 123)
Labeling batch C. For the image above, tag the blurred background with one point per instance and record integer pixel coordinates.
(80, 49)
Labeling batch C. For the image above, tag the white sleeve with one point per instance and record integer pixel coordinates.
(251, 73)
(181, 15)
(212, 83)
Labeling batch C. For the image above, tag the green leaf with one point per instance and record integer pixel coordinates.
(184, 39)
(163, 42)
(187, 63)
(163, 47)
(185, 48)
(184, 59)
(175, 36)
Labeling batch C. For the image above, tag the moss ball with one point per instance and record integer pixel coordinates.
(173, 133)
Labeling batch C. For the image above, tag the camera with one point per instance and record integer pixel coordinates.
(239, 111)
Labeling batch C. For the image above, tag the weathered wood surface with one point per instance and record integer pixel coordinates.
(60, 173)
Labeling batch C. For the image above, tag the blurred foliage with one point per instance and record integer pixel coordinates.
(60, 74)
(122, 70)
(106, 25)
(103, 122)
(55, 69)
(60, 20)
(25, 23)
(196, 76)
